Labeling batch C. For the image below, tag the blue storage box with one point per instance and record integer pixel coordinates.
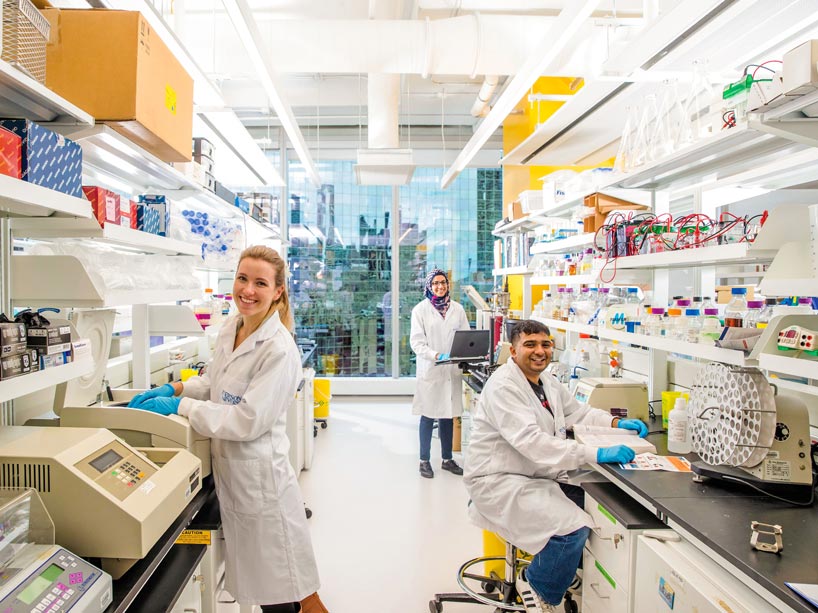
(147, 219)
(160, 204)
(242, 204)
(48, 159)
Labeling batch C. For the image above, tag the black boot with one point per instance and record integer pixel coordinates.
(426, 470)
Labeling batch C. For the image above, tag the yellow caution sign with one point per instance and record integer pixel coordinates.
(170, 99)
(194, 537)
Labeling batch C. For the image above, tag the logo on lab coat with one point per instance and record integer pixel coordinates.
(230, 398)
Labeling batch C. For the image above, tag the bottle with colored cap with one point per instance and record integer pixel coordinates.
(736, 310)
(678, 438)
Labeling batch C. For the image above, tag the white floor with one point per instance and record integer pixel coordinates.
(386, 539)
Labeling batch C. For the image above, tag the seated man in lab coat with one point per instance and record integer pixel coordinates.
(519, 460)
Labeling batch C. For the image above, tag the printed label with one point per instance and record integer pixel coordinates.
(230, 398)
(147, 487)
(170, 99)
(777, 470)
(194, 537)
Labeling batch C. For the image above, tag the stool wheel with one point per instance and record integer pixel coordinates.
(323, 425)
(488, 586)
(571, 606)
(435, 607)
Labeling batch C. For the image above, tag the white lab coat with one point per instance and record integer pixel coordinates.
(241, 404)
(438, 388)
(518, 452)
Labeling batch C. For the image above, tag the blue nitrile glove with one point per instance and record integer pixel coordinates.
(618, 454)
(443, 357)
(165, 391)
(163, 406)
(634, 424)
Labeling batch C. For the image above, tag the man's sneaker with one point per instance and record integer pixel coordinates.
(452, 467)
(531, 600)
(426, 470)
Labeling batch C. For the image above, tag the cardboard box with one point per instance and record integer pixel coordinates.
(724, 295)
(13, 339)
(160, 204)
(105, 204)
(147, 219)
(47, 158)
(57, 359)
(20, 364)
(136, 85)
(50, 339)
(603, 203)
(11, 154)
(514, 210)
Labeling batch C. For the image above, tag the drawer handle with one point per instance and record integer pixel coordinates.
(595, 586)
(616, 538)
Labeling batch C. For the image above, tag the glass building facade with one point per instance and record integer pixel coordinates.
(341, 250)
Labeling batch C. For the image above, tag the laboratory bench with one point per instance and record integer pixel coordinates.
(155, 582)
(715, 516)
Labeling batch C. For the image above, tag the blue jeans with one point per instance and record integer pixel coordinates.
(445, 427)
(552, 570)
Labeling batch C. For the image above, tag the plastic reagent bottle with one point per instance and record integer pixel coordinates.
(694, 325)
(678, 439)
(753, 312)
(711, 327)
(736, 310)
(766, 313)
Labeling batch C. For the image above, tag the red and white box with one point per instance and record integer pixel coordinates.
(11, 154)
(105, 204)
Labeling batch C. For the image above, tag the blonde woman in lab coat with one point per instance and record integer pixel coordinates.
(241, 404)
(438, 391)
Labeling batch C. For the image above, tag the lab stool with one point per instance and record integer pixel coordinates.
(500, 592)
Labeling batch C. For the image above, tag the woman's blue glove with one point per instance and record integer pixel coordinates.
(163, 406)
(165, 391)
(443, 357)
(634, 424)
(618, 454)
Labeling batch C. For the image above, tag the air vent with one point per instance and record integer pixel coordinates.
(23, 475)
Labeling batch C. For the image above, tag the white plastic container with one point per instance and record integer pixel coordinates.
(678, 436)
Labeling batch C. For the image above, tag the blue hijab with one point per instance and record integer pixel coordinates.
(441, 303)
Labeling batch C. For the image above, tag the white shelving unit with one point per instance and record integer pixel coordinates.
(47, 280)
(737, 253)
(564, 245)
(798, 367)
(119, 236)
(22, 96)
(569, 280)
(34, 382)
(694, 350)
(568, 326)
(22, 199)
(514, 270)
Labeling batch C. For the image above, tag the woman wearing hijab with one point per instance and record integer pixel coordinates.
(438, 394)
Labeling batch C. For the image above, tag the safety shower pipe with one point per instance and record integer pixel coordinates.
(555, 40)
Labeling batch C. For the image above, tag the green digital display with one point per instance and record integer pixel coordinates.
(40, 584)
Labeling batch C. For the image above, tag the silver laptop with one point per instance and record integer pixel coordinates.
(469, 346)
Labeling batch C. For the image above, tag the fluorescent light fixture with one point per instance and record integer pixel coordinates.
(240, 143)
(243, 21)
(205, 93)
(384, 167)
(558, 36)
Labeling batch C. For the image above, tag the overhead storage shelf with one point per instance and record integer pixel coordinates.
(62, 281)
(22, 96)
(36, 381)
(568, 326)
(564, 245)
(514, 270)
(53, 228)
(737, 253)
(22, 199)
(565, 279)
(799, 367)
(173, 320)
(695, 350)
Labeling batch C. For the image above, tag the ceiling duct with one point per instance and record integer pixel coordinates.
(383, 163)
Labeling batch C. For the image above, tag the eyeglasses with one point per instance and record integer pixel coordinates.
(436, 283)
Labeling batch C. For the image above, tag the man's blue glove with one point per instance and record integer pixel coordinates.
(165, 391)
(443, 357)
(618, 454)
(163, 406)
(634, 424)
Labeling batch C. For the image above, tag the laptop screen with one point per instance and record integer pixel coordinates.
(470, 344)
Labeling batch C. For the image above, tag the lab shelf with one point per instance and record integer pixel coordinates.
(514, 270)
(119, 236)
(798, 367)
(564, 245)
(19, 198)
(36, 381)
(568, 326)
(50, 280)
(523, 223)
(793, 386)
(173, 320)
(22, 96)
(565, 279)
(695, 350)
(737, 253)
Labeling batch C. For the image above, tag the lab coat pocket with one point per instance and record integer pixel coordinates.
(242, 490)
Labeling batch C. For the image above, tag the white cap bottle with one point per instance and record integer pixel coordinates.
(678, 438)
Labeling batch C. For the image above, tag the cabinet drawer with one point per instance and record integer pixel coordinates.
(610, 542)
(600, 591)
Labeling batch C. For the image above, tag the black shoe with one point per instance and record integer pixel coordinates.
(426, 470)
(452, 467)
